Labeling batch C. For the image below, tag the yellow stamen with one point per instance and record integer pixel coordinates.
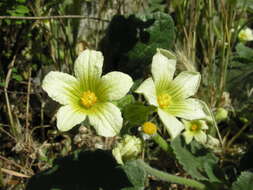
(89, 99)
(149, 128)
(164, 100)
(243, 36)
(194, 127)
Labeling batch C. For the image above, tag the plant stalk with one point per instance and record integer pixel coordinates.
(171, 178)
(162, 143)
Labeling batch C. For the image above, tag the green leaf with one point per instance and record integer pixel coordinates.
(247, 3)
(21, 1)
(244, 182)
(21, 9)
(136, 175)
(161, 35)
(2, 84)
(240, 76)
(17, 77)
(244, 51)
(123, 102)
(137, 113)
(196, 160)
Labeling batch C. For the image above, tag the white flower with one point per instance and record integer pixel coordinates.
(195, 129)
(128, 148)
(171, 97)
(245, 35)
(88, 94)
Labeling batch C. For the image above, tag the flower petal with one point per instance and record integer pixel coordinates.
(115, 85)
(203, 124)
(169, 54)
(147, 88)
(188, 136)
(186, 84)
(189, 109)
(201, 137)
(61, 87)
(187, 124)
(173, 126)
(162, 69)
(106, 119)
(68, 117)
(88, 68)
(117, 155)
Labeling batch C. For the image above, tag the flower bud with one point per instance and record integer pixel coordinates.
(128, 148)
(221, 115)
(244, 119)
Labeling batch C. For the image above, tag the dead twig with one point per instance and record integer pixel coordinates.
(7, 133)
(11, 162)
(7, 80)
(28, 104)
(52, 17)
(15, 92)
(14, 173)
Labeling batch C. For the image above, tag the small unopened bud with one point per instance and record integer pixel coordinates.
(127, 149)
(244, 119)
(221, 114)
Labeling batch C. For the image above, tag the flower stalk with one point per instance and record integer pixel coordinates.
(171, 178)
(162, 143)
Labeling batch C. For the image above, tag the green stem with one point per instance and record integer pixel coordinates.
(171, 178)
(162, 143)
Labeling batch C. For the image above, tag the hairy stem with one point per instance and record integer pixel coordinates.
(171, 178)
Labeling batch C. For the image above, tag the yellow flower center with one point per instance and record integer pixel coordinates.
(164, 100)
(89, 99)
(149, 128)
(194, 127)
(243, 36)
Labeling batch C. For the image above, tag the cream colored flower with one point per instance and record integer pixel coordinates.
(195, 129)
(172, 97)
(128, 148)
(245, 35)
(88, 94)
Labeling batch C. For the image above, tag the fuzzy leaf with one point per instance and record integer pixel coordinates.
(160, 34)
(123, 102)
(137, 113)
(21, 9)
(244, 182)
(196, 160)
(136, 175)
(244, 51)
